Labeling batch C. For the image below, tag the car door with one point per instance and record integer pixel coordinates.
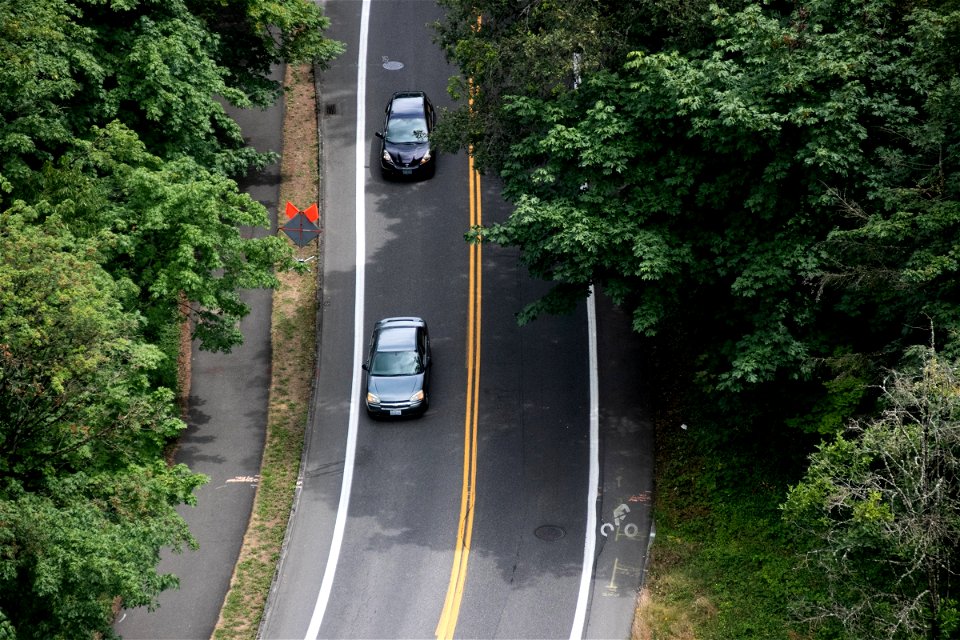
(429, 113)
(423, 345)
(371, 351)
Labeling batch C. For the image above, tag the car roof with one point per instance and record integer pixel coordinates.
(408, 102)
(398, 334)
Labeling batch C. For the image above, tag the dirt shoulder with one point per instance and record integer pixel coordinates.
(293, 359)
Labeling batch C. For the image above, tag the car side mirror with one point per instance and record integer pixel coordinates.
(379, 134)
(365, 366)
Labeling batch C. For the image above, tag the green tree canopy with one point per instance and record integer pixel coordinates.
(86, 500)
(882, 503)
(780, 196)
(162, 68)
(771, 189)
(167, 227)
(537, 49)
(118, 208)
(74, 390)
(112, 117)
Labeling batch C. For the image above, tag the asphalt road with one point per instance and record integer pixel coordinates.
(397, 553)
(526, 554)
(398, 542)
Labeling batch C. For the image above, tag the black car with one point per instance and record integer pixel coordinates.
(405, 139)
(398, 369)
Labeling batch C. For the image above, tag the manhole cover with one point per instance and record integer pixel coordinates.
(392, 65)
(549, 532)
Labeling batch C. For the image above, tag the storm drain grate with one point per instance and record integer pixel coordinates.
(330, 109)
(549, 532)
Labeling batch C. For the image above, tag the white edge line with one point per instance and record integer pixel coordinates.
(361, 152)
(590, 539)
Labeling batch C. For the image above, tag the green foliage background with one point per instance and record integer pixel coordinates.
(119, 216)
(770, 187)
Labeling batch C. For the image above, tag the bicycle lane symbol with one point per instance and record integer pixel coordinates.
(619, 528)
(628, 530)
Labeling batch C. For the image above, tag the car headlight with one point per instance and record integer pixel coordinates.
(387, 158)
(417, 397)
(426, 158)
(372, 398)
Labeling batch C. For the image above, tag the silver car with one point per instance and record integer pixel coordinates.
(398, 368)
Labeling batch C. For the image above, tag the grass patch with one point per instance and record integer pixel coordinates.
(293, 338)
(723, 564)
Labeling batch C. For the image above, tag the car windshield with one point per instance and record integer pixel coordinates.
(406, 130)
(395, 363)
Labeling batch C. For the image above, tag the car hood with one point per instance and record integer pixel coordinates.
(408, 153)
(395, 388)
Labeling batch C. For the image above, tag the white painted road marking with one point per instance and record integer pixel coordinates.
(593, 486)
(361, 260)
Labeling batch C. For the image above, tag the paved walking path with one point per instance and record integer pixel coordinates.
(224, 439)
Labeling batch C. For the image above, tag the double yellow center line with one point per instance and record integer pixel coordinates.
(458, 575)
